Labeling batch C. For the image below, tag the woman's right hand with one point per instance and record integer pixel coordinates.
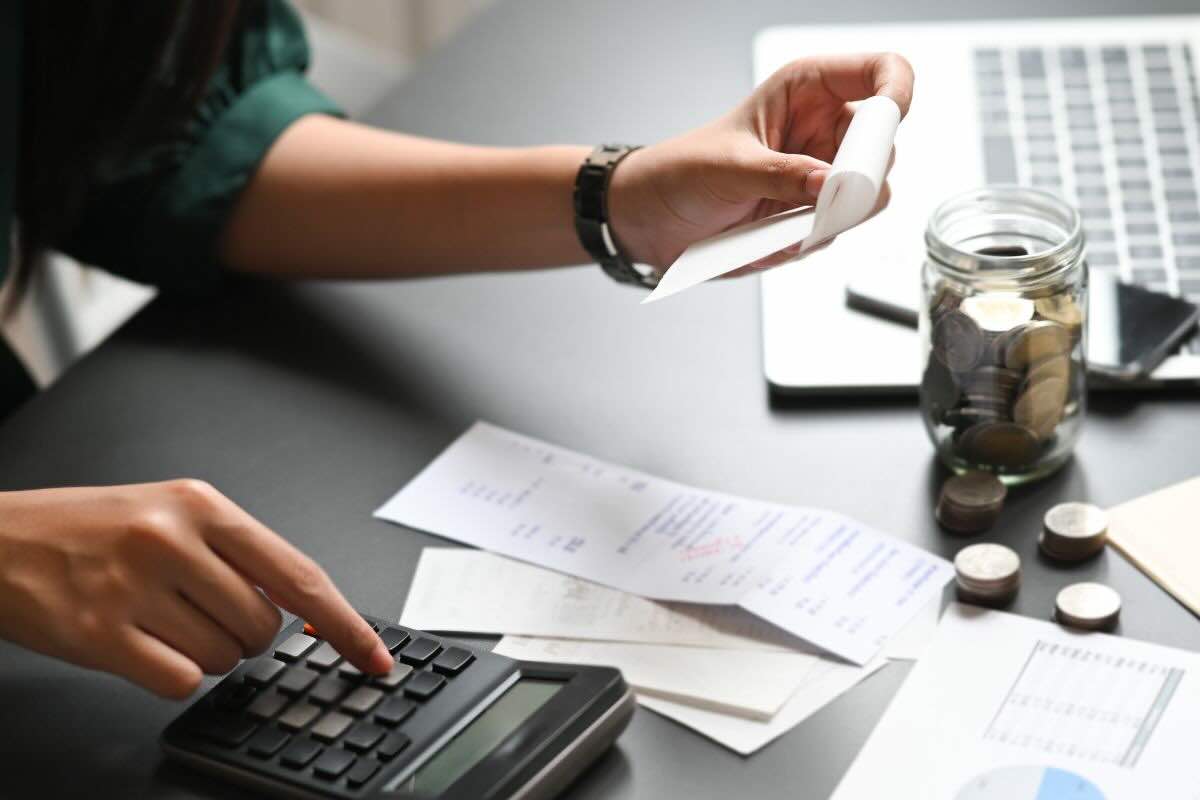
(159, 583)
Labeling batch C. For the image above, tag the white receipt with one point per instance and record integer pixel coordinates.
(849, 195)
(817, 574)
(742, 683)
(474, 591)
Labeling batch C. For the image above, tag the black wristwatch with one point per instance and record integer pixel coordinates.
(591, 216)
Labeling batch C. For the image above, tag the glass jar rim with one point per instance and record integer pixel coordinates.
(968, 264)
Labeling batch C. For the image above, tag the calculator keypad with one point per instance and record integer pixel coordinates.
(302, 710)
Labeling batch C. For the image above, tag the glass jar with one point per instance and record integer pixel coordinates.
(1003, 326)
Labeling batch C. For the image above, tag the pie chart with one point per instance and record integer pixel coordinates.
(1029, 783)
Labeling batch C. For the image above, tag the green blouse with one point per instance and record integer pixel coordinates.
(158, 218)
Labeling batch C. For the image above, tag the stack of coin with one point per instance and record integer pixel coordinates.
(1002, 374)
(1089, 606)
(1073, 531)
(987, 574)
(971, 502)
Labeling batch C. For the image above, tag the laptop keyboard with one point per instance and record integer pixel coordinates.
(1116, 131)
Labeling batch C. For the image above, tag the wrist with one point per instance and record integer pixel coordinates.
(629, 202)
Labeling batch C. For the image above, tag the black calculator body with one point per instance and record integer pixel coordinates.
(450, 721)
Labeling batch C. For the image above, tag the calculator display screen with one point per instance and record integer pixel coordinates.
(481, 737)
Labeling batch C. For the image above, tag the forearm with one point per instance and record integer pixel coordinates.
(335, 199)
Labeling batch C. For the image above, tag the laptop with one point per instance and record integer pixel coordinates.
(1056, 103)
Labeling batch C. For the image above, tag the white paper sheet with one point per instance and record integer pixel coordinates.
(848, 197)
(817, 574)
(1006, 706)
(821, 687)
(473, 591)
(459, 590)
(753, 684)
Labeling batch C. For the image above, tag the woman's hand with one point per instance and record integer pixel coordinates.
(159, 583)
(769, 154)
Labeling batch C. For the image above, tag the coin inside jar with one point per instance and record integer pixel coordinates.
(939, 387)
(997, 312)
(1002, 444)
(1035, 341)
(1055, 366)
(971, 502)
(988, 574)
(1060, 308)
(1040, 406)
(1073, 531)
(957, 341)
(1088, 606)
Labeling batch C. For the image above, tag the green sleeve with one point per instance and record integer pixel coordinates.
(157, 219)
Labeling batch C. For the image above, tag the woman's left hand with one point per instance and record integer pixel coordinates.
(768, 154)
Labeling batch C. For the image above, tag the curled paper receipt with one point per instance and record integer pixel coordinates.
(847, 198)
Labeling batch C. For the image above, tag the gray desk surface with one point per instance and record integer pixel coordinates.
(311, 404)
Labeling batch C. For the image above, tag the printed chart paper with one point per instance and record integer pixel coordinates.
(848, 197)
(1002, 706)
(817, 574)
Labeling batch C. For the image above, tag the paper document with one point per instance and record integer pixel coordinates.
(744, 683)
(822, 683)
(848, 197)
(474, 591)
(460, 590)
(1002, 706)
(817, 574)
(1159, 534)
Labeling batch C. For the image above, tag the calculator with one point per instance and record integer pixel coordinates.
(448, 721)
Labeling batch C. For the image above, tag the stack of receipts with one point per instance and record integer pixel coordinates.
(794, 593)
(717, 670)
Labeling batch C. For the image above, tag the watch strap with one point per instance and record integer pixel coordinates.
(592, 219)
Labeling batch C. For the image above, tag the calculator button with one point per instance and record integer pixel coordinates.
(333, 763)
(420, 651)
(329, 690)
(299, 753)
(268, 742)
(362, 700)
(362, 772)
(298, 716)
(264, 671)
(392, 745)
(296, 681)
(324, 657)
(350, 672)
(363, 737)
(394, 678)
(393, 638)
(424, 685)
(453, 660)
(228, 730)
(331, 726)
(233, 696)
(267, 705)
(295, 647)
(395, 711)
(310, 630)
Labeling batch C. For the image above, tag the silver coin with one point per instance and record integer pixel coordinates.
(987, 564)
(1076, 521)
(1090, 606)
(957, 341)
(997, 312)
